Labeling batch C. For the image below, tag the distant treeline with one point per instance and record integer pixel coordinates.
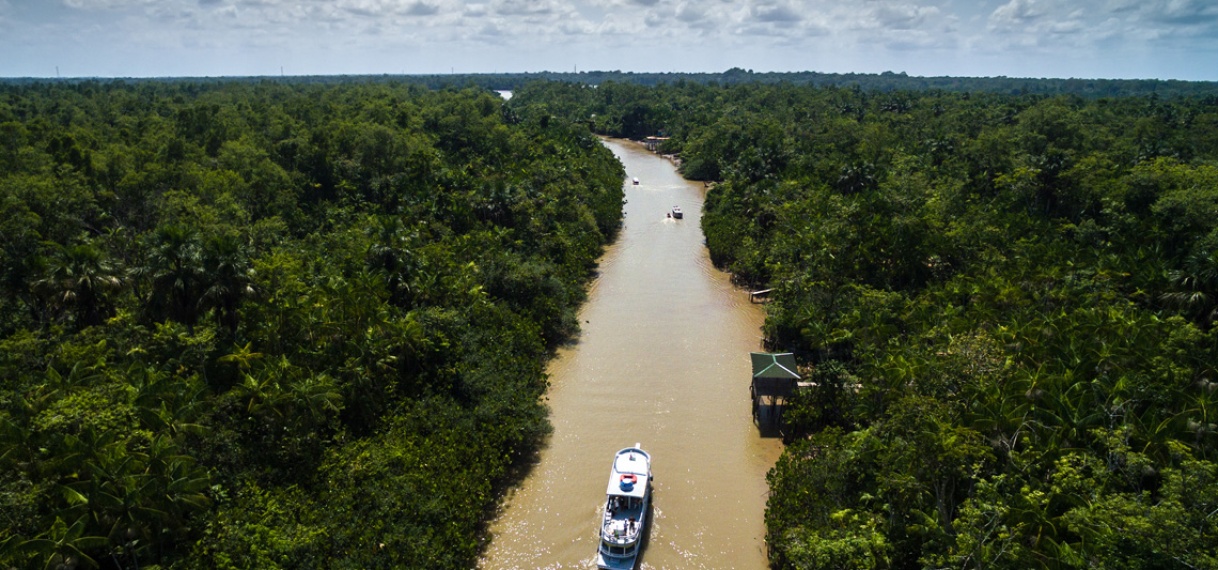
(887, 81)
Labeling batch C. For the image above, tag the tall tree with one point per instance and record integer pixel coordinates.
(77, 278)
(227, 278)
(177, 274)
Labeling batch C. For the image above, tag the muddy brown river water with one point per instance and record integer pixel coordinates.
(663, 361)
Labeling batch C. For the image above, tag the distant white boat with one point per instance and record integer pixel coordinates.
(626, 501)
(636, 180)
(676, 212)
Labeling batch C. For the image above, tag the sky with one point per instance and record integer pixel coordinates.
(1160, 39)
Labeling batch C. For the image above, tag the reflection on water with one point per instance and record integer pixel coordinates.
(663, 361)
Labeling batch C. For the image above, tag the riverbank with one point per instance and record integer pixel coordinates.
(662, 360)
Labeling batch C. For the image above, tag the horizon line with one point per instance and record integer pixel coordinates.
(281, 75)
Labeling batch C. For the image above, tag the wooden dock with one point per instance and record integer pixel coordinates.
(763, 294)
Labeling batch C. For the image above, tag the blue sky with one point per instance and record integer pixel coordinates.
(1166, 39)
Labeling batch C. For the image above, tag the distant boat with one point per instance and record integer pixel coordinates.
(676, 212)
(626, 501)
(636, 180)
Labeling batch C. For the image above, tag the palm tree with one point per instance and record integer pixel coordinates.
(77, 278)
(65, 546)
(136, 487)
(315, 396)
(243, 357)
(229, 276)
(392, 255)
(1196, 285)
(175, 264)
(165, 404)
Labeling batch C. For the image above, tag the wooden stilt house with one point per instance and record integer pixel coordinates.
(774, 380)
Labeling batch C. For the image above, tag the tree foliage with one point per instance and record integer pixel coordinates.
(269, 324)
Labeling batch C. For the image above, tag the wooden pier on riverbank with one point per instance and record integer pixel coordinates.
(759, 296)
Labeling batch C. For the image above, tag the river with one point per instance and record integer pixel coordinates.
(662, 360)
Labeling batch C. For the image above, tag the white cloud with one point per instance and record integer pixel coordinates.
(917, 40)
(524, 7)
(100, 4)
(1070, 27)
(616, 24)
(903, 16)
(422, 9)
(1122, 5)
(1015, 15)
(369, 8)
(1182, 11)
(576, 28)
(693, 14)
(774, 13)
(655, 20)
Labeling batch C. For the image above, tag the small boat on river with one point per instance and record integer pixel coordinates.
(676, 212)
(626, 502)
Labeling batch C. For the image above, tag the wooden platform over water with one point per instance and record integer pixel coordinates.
(762, 295)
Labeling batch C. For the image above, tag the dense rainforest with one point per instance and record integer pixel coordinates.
(265, 324)
(1006, 304)
(879, 82)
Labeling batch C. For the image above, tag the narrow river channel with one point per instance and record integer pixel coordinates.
(662, 361)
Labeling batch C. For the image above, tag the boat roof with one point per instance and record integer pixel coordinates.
(632, 460)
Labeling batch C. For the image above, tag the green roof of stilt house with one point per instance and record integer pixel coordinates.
(773, 374)
(770, 365)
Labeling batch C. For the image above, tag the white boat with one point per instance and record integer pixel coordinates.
(676, 212)
(636, 180)
(626, 502)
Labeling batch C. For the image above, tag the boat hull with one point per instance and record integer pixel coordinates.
(614, 563)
